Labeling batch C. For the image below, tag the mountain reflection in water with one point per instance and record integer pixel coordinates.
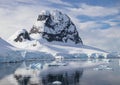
(61, 73)
(66, 77)
(43, 74)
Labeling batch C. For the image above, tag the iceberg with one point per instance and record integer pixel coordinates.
(103, 67)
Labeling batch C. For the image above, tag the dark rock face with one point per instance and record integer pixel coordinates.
(56, 27)
(34, 30)
(22, 80)
(23, 35)
(63, 77)
(42, 17)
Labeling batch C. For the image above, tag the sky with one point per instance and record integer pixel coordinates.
(98, 21)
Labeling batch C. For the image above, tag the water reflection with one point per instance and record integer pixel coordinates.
(119, 62)
(60, 72)
(8, 68)
(66, 78)
(44, 74)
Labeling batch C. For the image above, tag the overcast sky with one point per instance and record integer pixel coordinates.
(98, 21)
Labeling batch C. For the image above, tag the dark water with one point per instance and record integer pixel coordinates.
(80, 72)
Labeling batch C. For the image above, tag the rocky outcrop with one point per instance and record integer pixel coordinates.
(22, 35)
(56, 26)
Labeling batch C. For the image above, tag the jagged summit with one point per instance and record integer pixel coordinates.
(55, 26)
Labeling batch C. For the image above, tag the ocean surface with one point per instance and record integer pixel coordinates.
(61, 72)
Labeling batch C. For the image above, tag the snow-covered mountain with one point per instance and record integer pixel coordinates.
(53, 33)
(8, 53)
(55, 26)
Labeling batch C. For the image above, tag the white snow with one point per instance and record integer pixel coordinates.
(45, 12)
(35, 49)
(36, 36)
(40, 25)
(16, 34)
(58, 48)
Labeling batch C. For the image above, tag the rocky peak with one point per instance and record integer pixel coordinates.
(56, 26)
(21, 35)
(43, 15)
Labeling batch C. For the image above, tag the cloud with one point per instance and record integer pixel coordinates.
(14, 15)
(89, 25)
(113, 21)
(59, 2)
(112, 32)
(94, 11)
(92, 33)
(103, 32)
(107, 39)
(12, 20)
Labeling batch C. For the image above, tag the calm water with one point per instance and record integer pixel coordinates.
(80, 72)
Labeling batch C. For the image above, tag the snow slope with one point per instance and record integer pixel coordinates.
(58, 48)
(8, 53)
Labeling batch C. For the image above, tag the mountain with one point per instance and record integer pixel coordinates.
(54, 33)
(8, 53)
(55, 26)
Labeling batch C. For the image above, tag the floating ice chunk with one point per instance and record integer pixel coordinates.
(102, 67)
(55, 63)
(37, 66)
(59, 58)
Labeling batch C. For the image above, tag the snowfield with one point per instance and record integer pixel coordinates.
(58, 49)
(43, 50)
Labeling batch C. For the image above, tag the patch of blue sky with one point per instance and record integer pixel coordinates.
(110, 17)
(56, 6)
(115, 20)
(104, 25)
(84, 18)
(107, 3)
(25, 3)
